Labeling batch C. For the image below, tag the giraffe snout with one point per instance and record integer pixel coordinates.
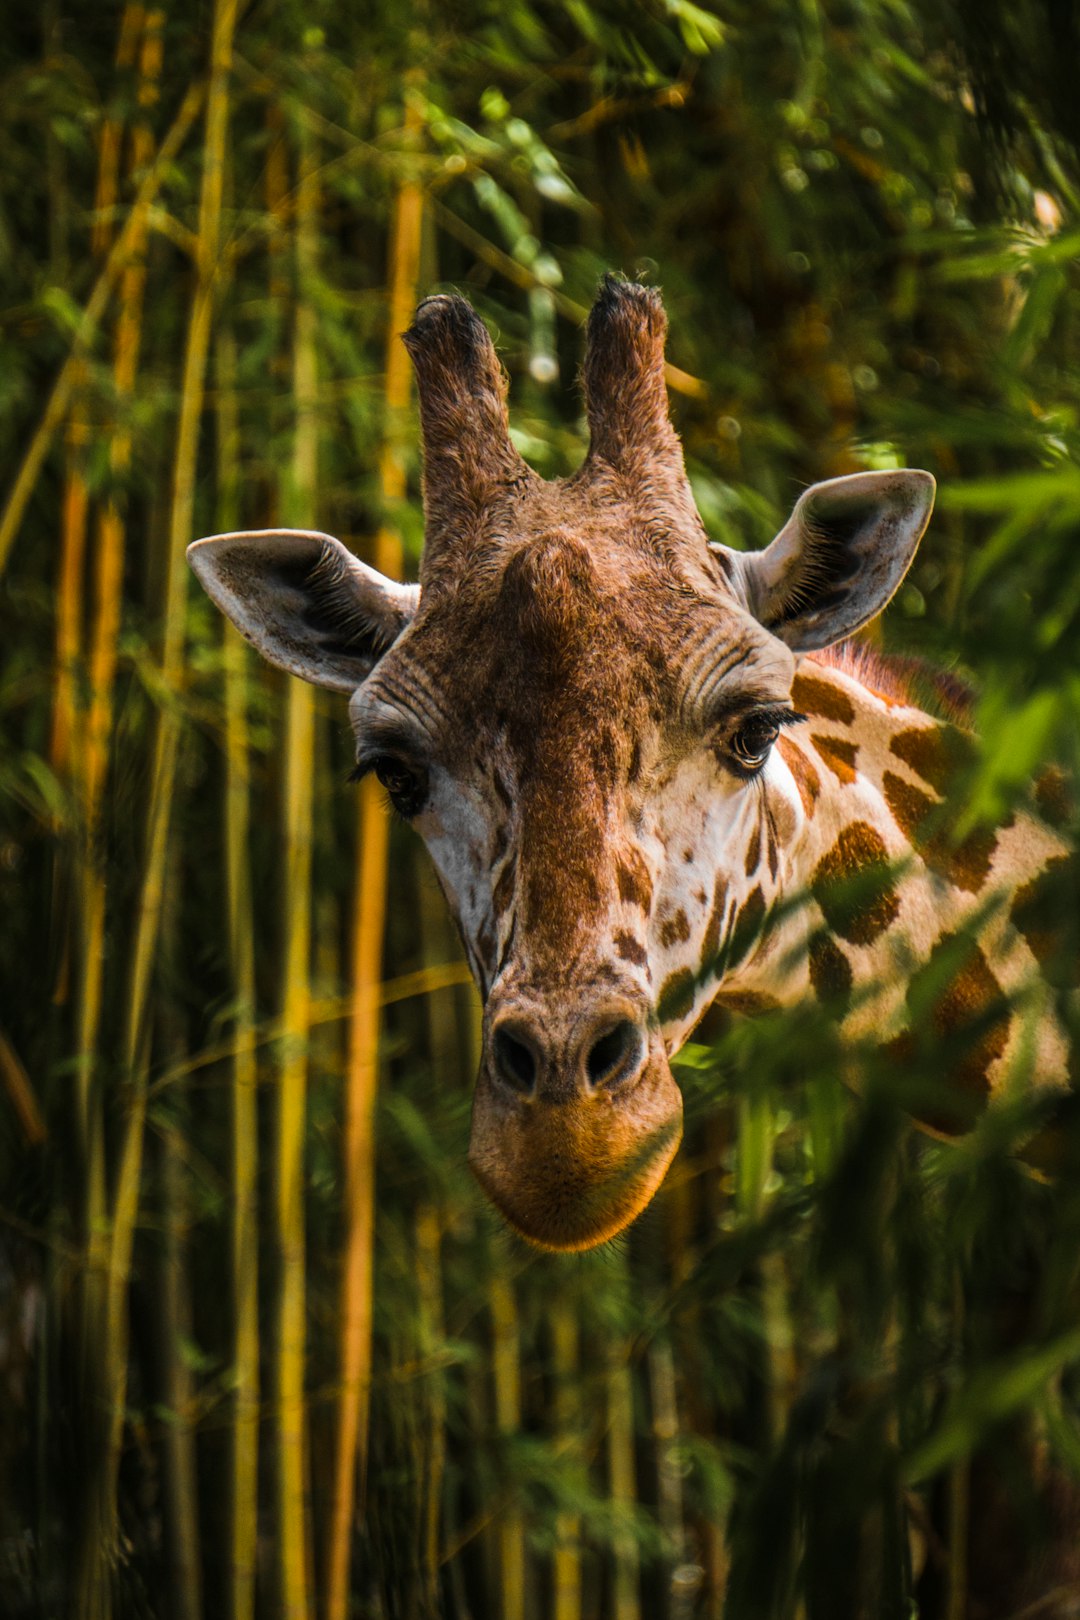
(576, 1115)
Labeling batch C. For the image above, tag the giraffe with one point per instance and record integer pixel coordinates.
(652, 774)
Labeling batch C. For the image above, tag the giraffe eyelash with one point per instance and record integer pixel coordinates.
(774, 714)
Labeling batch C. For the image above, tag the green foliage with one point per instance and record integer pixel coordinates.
(866, 228)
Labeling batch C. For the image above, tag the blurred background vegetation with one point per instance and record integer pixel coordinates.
(263, 1349)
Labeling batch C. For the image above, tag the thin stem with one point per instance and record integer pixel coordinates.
(126, 1202)
(299, 768)
(368, 921)
(244, 1502)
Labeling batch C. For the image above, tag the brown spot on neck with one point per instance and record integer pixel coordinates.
(811, 695)
(749, 1003)
(923, 822)
(675, 930)
(830, 972)
(932, 752)
(746, 930)
(838, 755)
(676, 996)
(1054, 798)
(807, 779)
(710, 945)
(967, 1015)
(1045, 913)
(854, 887)
(630, 949)
(632, 876)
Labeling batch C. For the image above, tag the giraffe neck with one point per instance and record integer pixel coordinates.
(891, 905)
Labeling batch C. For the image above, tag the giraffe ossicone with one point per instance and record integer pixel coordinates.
(624, 758)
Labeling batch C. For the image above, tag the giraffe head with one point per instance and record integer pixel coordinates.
(577, 709)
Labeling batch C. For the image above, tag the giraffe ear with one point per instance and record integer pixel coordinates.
(305, 602)
(838, 559)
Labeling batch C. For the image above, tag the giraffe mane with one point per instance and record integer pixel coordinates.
(903, 678)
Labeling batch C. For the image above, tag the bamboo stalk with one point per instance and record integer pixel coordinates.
(109, 552)
(94, 1542)
(69, 599)
(368, 922)
(506, 1373)
(174, 1314)
(430, 1322)
(665, 1408)
(626, 1597)
(756, 1132)
(108, 569)
(70, 604)
(64, 719)
(292, 1505)
(56, 189)
(126, 1201)
(566, 1558)
(959, 1496)
(112, 131)
(178, 1395)
(245, 1124)
(825, 1104)
(16, 1082)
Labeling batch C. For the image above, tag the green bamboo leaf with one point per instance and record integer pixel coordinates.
(991, 1394)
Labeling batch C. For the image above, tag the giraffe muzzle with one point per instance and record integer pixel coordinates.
(576, 1116)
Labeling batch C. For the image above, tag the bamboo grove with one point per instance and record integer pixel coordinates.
(263, 1349)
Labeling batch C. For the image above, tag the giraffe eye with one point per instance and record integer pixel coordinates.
(406, 784)
(751, 743)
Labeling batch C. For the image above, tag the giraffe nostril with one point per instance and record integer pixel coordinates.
(515, 1062)
(615, 1055)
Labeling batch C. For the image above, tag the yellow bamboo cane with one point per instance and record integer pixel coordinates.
(245, 1236)
(626, 1601)
(108, 568)
(112, 134)
(428, 1237)
(566, 1558)
(93, 1548)
(368, 919)
(506, 1371)
(125, 1207)
(665, 1408)
(69, 599)
(173, 1306)
(292, 1511)
(70, 606)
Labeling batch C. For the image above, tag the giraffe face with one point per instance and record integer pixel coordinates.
(578, 712)
(581, 737)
